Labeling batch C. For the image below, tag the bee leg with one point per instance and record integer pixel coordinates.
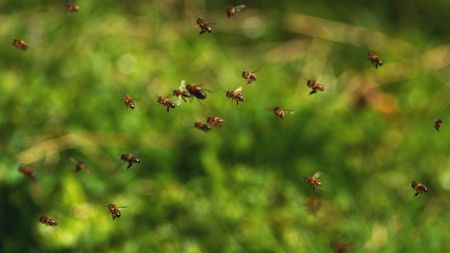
(201, 32)
(129, 165)
(313, 91)
(184, 99)
(417, 193)
(167, 108)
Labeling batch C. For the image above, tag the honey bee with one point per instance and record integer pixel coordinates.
(315, 86)
(115, 210)
(20, 44)
(374, 59)
(205, 127)
(232, 10)
(48, 221)
(72, 7)
(249, 76)
(180, 93)
(235, 95)
(418, 187)
(130, 159)
(196, 91)
(438, 124)
(279, 112)
(27, 171)
(313, 180)
(215, 121)
(129, 102)
(204, 26)
(166, 102)
(79, 165)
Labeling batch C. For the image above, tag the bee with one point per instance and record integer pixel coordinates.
(313, 180)
(166, 102)
(374, 59)
(279, 112)
(232, 10)
(204, 26)
(130, 159)
(315, 86)
(235, 95)
(129, 102)
(115, 210)
(20, 44)
(249, 76)
(79, 165)
(27, 171)
(205, 127)
(48, 221)
(72, 7)
(215, 121)
(418, 187)
(196, 91)
(438, 124)
(180, 93)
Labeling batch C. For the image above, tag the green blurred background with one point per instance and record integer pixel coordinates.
(240, 188)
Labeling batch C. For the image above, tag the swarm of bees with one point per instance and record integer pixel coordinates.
(419, 187)
(315, 86)
(130, 159)
(48, 221)
(313, 180)
(204, 26)
(232, 10)
(20, 44)
(438, 124)
(114, 210)
(375, 60)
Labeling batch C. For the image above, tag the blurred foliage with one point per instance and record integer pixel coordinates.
(240, 188)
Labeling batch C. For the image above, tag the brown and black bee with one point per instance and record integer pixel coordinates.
(204, 26)
(20, 44)
(166, 102)
(72, 7)
(130, 159)
(129, 102)
(215, 121)
(375, 60)
(79, 165)
(315, 86)
(249, 76)
(115, 210)
(279, 112)
(48, 221)
(27, 171)
(235, 95)
(438, 124)
(232, 10)
(181, 92)
(313, 180)
(419, 187)
(196, 91)
(205, 127)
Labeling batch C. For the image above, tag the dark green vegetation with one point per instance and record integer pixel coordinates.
(239, 188)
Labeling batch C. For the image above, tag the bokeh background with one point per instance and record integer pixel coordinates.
(240, 188)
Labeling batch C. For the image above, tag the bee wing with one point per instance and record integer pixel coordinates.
(178, 102)
(317, 174)
(122, 206)
(239, 7)
(182, 85)
(289, 111)
(239, 89)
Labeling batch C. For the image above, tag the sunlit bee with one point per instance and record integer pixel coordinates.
(130, 159)
(249, 76)
(315, 86)
(205, 127)
(215, 121)
(279, 112)
(166, 102)
(204, 26)
(232, 10)
(341, 247)
(20, 44)
(48, 221)
(235, 95)
(181, 92)
(114, 210)
(27, 171)
(72, 7)
(79, 165)
(196, 91)
(128, 101)
(375, 60)
(419, 188)
(438, 124)
(313, 180)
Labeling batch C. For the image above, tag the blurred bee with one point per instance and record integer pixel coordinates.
(130, 159)
(438, 124)
(196, 91)
(419, 188)
(129, 102)
(232, 10)
(374, 59)
(115, 210)
(204, 26)
(20, 44)
(235, 95)
(48, 221)
(341, 247)
(205, 127)
(313, 180)
(27, 171)
(215, 121)
(315, 86)
(79, 165)
(249, 76)
(180, 93)
(166, 102)
(279, 112)
(72, 7)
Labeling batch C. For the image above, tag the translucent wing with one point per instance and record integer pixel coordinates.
(239, 7)
(182, 84)
(317, 174)
(239, 89)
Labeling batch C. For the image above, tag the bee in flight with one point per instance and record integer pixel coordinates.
(20, 44)
(438, 124)
(313, 180)
(196, 91)
(128, 101)
(204, 26)
(232, 10)
(79, 165)
(375, 59)
(130, 159)
(315, 86)
(166, 102)
(71, 7)
(48, 221)
(27, 171)
(419, 187)
(279, 112)
(249, 76)
(205, 127)
(114, 210)
(235, 95)
(215, 121)
(181, 92)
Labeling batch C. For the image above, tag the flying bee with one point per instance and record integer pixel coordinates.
(128, 101)
(313, 180)
(249, 76)
(215, 121)
(315, 86)
(419, 187)
(205, 127)
(438, 124)
(279, 112)
(235, 95)
(232, 10)
(114, 210)
(374, 59)
(204, 26)
(166, 102)
(79, 165)
(20, 44)
(27, 171)
(130, 159)
(72, 7)
(196, 91)
(181, 93)
(48, 221)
